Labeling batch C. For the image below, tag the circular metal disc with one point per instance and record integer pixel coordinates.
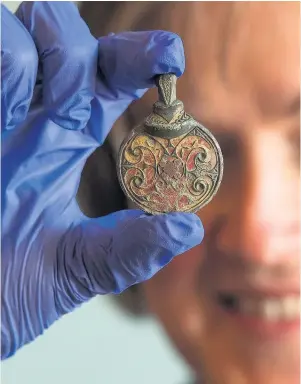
(162, 175)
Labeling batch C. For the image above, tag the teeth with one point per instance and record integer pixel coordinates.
(270, 310)
(287, 308)
(291, 307)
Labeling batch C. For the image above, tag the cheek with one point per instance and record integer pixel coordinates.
(178, 276)
(173, 297)
(173, 291)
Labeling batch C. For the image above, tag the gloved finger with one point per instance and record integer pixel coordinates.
(68, 55)
(18, 70)
(129, 63)
(131, 60)
(100, 260)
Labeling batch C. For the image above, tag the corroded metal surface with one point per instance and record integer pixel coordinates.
(170, 162)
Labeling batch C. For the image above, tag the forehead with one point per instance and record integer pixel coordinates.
(244, 60)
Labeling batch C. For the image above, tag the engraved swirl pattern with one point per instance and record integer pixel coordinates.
(166, 175)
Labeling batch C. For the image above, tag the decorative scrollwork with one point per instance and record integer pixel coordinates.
(165, 175)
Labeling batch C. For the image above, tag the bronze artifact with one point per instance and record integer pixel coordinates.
(170, 162)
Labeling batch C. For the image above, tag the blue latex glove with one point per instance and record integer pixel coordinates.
(61, 92)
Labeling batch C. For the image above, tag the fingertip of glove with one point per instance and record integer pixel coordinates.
(177, 231)
(185, 226)
(131, 60)
(166, 53)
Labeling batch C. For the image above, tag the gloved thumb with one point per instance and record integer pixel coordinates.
(109, 254)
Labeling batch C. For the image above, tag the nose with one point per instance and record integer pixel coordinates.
(270, 225)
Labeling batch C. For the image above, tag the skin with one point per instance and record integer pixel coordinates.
(242, 82)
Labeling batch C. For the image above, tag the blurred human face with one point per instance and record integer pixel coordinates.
(231, 305)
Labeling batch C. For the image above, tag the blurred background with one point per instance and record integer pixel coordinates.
(98, 343)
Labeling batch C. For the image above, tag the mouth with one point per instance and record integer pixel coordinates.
(264, 314)
(271, 309)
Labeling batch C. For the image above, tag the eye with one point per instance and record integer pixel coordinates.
(230, 146)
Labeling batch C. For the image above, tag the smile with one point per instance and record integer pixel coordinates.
(268, 309)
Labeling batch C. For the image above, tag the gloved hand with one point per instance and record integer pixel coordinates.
(61, 92)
